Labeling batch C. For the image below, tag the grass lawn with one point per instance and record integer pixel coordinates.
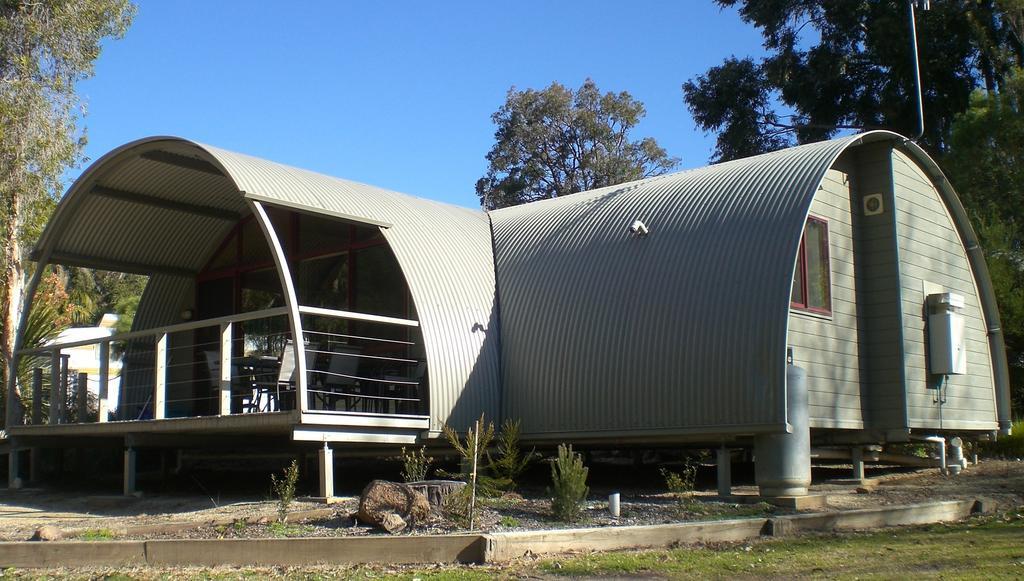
(974, 550)
(981, 548)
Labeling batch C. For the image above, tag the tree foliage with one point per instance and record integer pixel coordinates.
(46, 47)
(985, 163)
(836, 64)
(560, 141)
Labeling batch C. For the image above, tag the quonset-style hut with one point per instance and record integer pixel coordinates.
(655, 312)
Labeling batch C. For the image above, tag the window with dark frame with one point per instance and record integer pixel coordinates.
(812, 281)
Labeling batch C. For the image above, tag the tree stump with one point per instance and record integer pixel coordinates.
(437, 490)
(382, 501)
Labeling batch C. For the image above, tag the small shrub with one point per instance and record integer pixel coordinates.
(284, 489)
(478, 438)
(681, 484)
(415, 464)
(281, 529)
(508, 462)
(456, 506)
(509, 522)
(1011, 446)
(569, 484)
(97, 535)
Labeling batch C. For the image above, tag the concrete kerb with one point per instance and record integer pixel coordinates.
(870, 518)
(308, 551)
(508, 546)
(468, 548)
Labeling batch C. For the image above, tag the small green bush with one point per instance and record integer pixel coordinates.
(1011, 446)
(282, 530)
(472, 450)
(508, 462)
(455, 506)
(97, 535)
(569, 484)
(284, 489)
(681, 484)
(415, 464)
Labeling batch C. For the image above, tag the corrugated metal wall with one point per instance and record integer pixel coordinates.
(605, 333)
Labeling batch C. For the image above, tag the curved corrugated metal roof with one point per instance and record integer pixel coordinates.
(683, 330)
(190, 191)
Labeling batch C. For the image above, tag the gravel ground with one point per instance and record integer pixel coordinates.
(161, 517)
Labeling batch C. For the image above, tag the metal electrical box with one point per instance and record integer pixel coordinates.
(946, 352)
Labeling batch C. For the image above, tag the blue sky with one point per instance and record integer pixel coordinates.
(395, 94)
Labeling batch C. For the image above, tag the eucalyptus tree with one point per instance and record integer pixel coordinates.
(560, 141)
(837, 64)
(46, 47)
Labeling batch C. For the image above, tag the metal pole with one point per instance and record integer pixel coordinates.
(917, 69)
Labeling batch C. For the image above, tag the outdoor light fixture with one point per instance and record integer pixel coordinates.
(186, 315)
(639, 228)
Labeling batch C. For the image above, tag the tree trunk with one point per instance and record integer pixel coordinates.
(10, 303)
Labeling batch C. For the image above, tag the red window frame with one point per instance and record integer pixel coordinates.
(826, 266)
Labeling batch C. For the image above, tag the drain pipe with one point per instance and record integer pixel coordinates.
(940, 442)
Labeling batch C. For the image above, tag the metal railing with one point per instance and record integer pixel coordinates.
(363, 363)
(243, 363)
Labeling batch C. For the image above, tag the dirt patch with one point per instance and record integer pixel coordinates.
(101, 518)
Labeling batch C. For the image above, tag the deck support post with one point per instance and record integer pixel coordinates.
(326, 458)
(724, 465)
(857, 458)
(14, 480)
(103, 394)
(160, 385)
(34, 460)
(130, 459)
(225, 368)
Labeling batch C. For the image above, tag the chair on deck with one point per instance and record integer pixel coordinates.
(341, 379)
(400, 393)
(280, 395)
(250, 396)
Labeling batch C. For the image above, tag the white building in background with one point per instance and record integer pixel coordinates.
(86, 358)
